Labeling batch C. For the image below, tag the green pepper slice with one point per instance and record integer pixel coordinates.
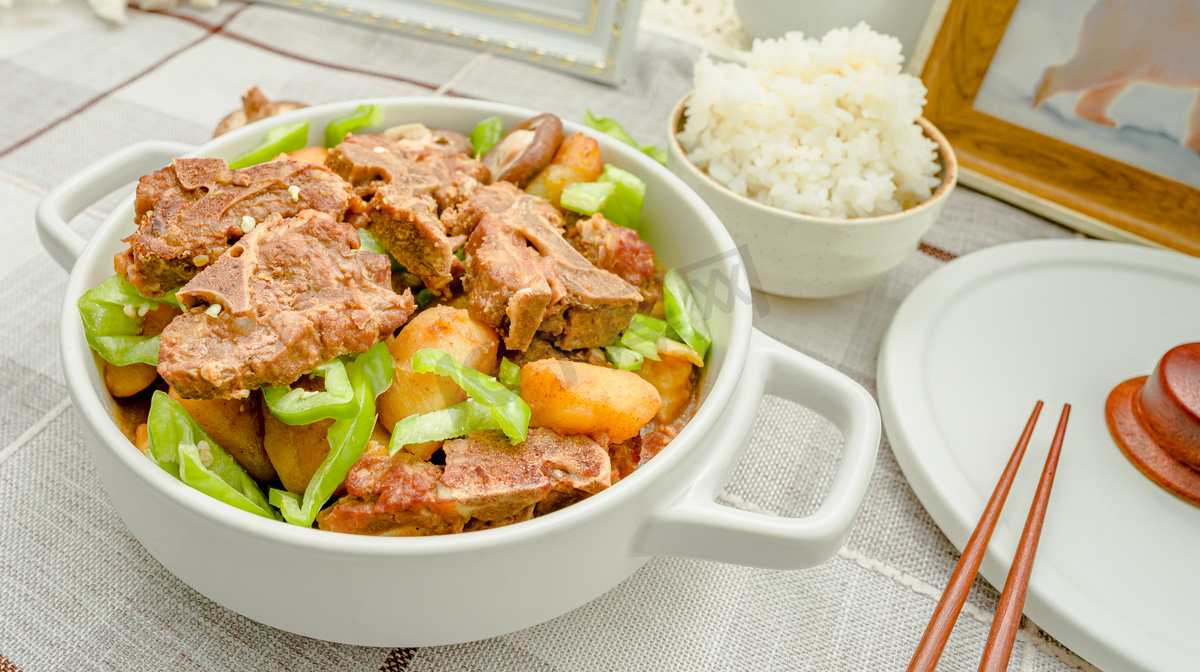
(587, 198)
(182, 449)
(424, 297)
(370, 374)
(510, 374)
(113, 313)
(610, 127)
(684, 314)
(367, 243)
(642, 335)
(617, 194)
(296, 406)
(364, 115)
(447, 423)
(624, 206)
(278, 140)
(510, 411)
(486, 135)
(624, 358)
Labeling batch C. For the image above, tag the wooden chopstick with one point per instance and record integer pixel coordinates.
(925, 659)
(1012, 600)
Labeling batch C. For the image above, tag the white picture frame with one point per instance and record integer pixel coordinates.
(592, 39)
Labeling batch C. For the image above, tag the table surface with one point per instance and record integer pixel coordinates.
(78, 592)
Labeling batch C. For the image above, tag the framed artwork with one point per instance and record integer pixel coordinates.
(593, 39)
(1084, 111)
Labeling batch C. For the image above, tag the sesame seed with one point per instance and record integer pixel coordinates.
(130, 311)
(295, 192)
(206, 456)
(143, 309)
(214, 310)
(200, 260)
(381, 150)
(308, 393)
(248, 224)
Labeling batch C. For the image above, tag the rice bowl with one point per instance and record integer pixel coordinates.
(824, 128)
(811, 257)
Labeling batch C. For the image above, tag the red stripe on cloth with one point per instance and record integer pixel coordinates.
(213, 29)
(397, 661)
(937, 253)
(6, 666)
(45, 129)
(298, 57)
(210, 27)
(325, 64)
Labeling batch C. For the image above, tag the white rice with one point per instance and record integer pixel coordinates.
(822, 128)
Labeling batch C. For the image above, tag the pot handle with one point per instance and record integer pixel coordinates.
(695, 526)
(89, 185)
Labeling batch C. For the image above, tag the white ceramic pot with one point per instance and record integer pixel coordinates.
(456, 588)
(809, 257)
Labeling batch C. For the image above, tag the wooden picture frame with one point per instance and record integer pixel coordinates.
(1085, 190)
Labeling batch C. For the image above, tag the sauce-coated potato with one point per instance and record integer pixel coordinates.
(313, 155)
(296, 451)
(158, 319)
(237, 426)
(577, 398)
(128, 380)
(578, 160)
(672, 377)
(142, 438)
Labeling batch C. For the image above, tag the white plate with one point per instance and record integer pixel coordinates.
(1117, 577)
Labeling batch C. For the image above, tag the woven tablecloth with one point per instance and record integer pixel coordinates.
(77, 591)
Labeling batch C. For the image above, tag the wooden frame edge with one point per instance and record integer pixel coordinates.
(1040, 173)
(1055, 212)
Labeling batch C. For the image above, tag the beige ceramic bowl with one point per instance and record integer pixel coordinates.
(814, 257)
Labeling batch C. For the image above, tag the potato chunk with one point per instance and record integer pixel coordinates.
(237, 426)
(578, 160)
(313, 155)
(295, 450)
(672, 377)
(452, 330)
(142, 438)
(575, 398)
(128, 380)
(159, 318)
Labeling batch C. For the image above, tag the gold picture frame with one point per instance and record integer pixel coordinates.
(1078, 186)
